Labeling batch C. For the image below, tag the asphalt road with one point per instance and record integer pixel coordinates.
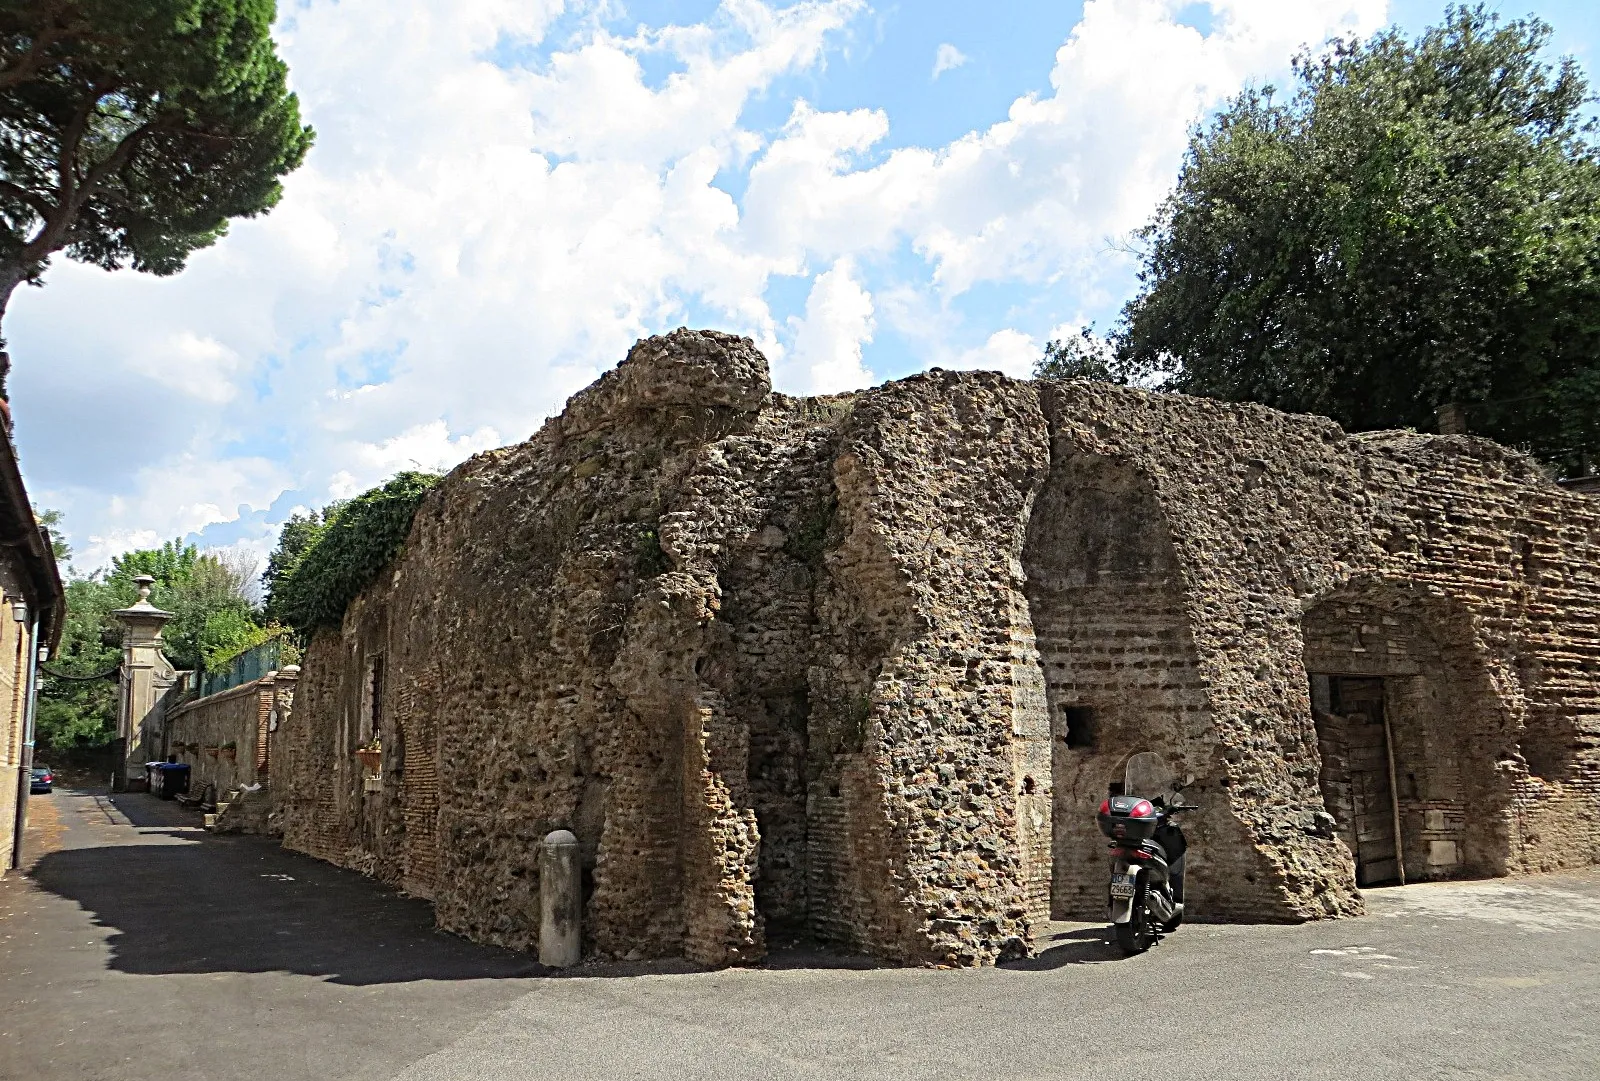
(140, 947)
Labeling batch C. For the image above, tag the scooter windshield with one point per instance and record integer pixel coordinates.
(1148, 774)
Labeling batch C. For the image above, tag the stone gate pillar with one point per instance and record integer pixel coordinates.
(147, 675)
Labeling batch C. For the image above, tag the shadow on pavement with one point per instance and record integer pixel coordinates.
(810, 955)
(1088, 946)
(146, 811)
(183, 901)
(196, 904)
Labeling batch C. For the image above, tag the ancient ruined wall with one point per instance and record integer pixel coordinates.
(1522, 559)
(1110, 616)
(862, 668)
(922, 749)
(555, 654)
(1438, 704)
(1273, 514)
(319, 786)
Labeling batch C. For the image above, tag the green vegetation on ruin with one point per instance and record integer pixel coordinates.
(324, 559)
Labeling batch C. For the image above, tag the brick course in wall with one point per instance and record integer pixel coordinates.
(861, 668)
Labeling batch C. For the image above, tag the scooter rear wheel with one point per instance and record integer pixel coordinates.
(1137, 935)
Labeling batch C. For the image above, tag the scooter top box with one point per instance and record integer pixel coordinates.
(1128, 818)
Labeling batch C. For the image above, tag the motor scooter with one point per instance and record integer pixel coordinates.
(1147, 855)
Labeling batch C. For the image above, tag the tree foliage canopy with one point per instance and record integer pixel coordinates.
(81, 712)
(208, 594)
(214, 617)
(296, 536)
(1084, 355)
(1417, 224)
(131, 131)
(324, 560)
(50, 520)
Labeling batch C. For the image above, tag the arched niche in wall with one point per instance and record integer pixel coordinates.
(1409, 729)
(1112, 633)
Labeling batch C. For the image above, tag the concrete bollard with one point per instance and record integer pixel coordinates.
(560, 901)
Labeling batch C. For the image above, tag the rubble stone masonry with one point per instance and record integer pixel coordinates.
(861, 668)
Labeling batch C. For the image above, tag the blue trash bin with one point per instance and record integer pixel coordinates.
(173, 779)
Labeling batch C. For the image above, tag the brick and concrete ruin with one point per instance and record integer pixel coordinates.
(860, 668)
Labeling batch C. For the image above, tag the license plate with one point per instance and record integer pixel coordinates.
(1122, 885)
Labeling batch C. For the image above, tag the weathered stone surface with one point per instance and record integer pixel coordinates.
(861, 668)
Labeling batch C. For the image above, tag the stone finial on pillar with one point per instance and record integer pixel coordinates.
(560, 901)
(146, 677)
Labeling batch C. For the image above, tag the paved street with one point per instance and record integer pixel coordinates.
(141, 947)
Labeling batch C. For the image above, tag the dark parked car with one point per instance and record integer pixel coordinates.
(43, 780)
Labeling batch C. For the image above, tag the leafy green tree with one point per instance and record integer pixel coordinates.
(212, 611)
(51, 520)
(214, 617)
(1417, 225)
(131, 131)
(169, 565)
(82, 712)
(1084, 355)
(296, 537)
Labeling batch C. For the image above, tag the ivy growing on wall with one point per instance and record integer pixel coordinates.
(340, 555)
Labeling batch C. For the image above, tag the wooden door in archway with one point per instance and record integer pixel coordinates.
(1355, 775)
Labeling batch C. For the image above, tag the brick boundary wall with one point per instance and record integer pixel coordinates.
(238, 715)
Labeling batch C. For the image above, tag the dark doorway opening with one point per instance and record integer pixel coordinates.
(1080, 733)
(776, 769)
(1358, 772)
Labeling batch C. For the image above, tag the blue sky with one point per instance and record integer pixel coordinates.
(505, 194)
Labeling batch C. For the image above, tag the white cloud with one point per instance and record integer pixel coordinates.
(947, 58)
(199, 367)
(427, 448)
(1009, 351)
(1035, 196)
(827, 342)
(174, 499)
(469, 242)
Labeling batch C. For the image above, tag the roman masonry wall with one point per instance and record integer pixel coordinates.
(861, 668)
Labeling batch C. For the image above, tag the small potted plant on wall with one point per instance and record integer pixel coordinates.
(371, 756)
(212, 750)
(230, 749)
